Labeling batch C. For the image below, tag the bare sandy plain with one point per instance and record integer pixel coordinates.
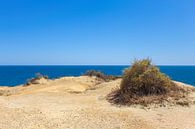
(80, 103)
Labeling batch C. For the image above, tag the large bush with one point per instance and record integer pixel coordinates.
(143, 83)
(143, 79)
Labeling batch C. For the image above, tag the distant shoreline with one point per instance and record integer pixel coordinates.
(16, 75)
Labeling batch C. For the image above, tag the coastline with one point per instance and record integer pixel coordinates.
(80, 102)
(18, 75)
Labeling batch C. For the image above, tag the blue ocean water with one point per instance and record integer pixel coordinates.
(15, 75)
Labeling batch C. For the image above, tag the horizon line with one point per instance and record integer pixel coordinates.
(91, 64)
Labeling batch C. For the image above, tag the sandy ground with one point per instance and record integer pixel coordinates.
(79, 103)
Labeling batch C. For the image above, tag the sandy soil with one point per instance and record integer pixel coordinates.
(79, 103)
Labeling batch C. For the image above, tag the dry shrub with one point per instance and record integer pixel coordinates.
(94, 73)
(144, 84)
(34, 80)
(100, 75)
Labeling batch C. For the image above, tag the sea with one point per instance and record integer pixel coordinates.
(17, 75)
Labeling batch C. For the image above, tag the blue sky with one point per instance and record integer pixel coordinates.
(40, 32)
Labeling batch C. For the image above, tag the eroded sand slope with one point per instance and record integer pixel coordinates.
(79, 103)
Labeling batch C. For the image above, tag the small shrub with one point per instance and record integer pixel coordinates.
(100, 75)
(143, 83)
(34, 80)
(94, 73)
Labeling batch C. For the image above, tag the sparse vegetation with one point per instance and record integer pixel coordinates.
(35, 80)
(94, 73)
(144, 84)
(100, 75)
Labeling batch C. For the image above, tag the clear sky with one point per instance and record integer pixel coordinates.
(97, 31)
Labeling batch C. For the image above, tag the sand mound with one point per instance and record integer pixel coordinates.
(63, 85)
